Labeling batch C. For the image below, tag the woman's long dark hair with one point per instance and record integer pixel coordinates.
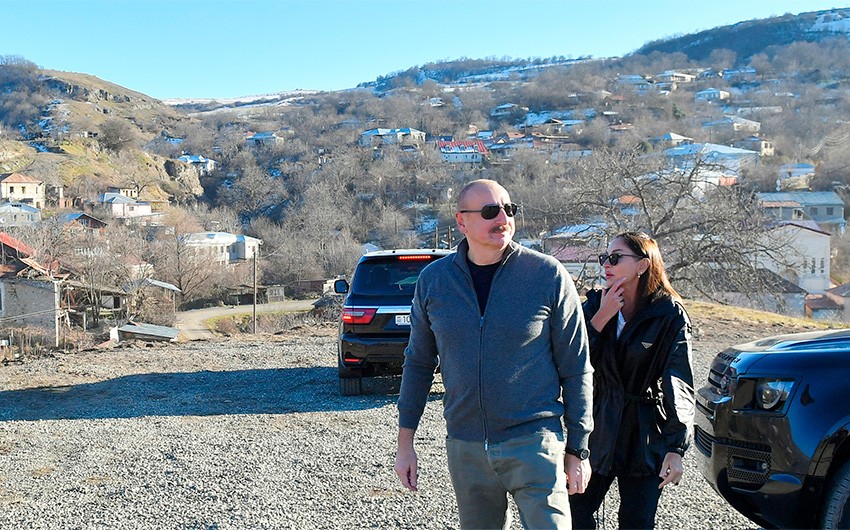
(654, 282)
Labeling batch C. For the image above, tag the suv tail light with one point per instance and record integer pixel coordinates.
(358, 315)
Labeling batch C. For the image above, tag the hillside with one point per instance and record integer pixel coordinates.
(61, 147)
(757, 36)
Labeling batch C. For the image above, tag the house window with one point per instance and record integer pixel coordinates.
(23, 189)
(11, 190)
(814, 210)
(797, 214)
(829, 210)
(822, 265)
(813, 265)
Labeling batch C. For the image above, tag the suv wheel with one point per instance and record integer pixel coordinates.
(836, 512)
(350, 386)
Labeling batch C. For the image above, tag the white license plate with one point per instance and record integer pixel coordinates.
(402, 320)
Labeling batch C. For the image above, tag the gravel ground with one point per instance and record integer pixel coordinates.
(242, 433)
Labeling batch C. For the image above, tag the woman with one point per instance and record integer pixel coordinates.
(643, 403)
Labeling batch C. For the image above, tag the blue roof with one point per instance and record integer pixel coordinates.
(802, 197)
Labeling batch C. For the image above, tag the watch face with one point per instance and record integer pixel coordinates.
(583, 454)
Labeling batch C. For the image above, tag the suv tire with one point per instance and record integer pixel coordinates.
(350, 386)
(836, 512)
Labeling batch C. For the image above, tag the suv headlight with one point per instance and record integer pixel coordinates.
(771, 394)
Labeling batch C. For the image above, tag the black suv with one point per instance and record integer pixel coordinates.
(375, 324)
(773, 436)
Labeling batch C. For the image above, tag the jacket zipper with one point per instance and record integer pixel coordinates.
(480, 381)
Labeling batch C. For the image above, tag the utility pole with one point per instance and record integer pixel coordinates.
(254, 320)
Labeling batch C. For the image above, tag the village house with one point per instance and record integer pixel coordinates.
(671, 76)
(780, 296)
(795, 177)
(127, 191)
(80, 221)
(633, 83)
(17, 187)
(733, 124)
(223, 248)
(823, 207)
(463, 151)
(203, 166)
(715, 156)
(755, 143)
(840, 297)
(711, 95)
(122, 207)
(670, 140)
(576, 247)
(404, 136)
(263, 139)
(507, 110)
(800, 254)
(18, 214)
(737, 75)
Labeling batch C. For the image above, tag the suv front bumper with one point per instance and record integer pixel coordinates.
(750, 459)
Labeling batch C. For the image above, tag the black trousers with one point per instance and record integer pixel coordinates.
(638, 501)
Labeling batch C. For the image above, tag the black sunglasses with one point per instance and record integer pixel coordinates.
(492, 210)
(615, 258)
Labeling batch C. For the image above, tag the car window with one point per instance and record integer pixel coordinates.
(387, 276)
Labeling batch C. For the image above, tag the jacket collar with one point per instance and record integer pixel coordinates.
(463, 247)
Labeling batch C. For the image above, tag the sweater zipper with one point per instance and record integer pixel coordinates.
(480, 381)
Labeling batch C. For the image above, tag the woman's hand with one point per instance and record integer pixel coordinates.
(609, 306)
(671, 469)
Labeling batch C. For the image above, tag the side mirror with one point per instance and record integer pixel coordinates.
(340, 286)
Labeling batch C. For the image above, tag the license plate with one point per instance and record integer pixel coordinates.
(402, 320)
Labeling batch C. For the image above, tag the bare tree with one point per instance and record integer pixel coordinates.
(117, 134)
(708, 231)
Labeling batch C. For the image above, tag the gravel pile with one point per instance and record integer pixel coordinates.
(235, 434)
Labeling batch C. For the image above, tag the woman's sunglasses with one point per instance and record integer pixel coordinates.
(615, 258)
(492, 210)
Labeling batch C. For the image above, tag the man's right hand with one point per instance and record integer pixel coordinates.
(406, 461)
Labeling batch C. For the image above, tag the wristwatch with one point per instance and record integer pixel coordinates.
(582, 454)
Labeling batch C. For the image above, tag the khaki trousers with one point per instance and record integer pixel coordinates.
(529, 468)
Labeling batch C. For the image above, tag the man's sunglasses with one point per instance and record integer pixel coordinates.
(492, 210)
(615, 258)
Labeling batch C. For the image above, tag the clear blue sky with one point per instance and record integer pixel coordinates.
(231, 48)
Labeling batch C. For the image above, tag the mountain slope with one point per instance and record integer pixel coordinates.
(755, 36)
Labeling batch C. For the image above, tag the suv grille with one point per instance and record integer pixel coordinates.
(748, 465)
(703, 441)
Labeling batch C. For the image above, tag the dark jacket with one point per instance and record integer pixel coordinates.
(516, 370)
(643, 388)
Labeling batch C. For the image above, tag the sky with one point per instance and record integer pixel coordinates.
(233, 48)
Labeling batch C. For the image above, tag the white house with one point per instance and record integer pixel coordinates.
(18, 214)
(711, 94)
(262, 139)
(633, 83)
(801, 253)
(755, 143)
(17, 187)
(731, 159)
(506, 109)
(671, 76)
(733, 124)
(378, 136)
(222, 247)
(463, 151)
(124, 207)
(203, 165)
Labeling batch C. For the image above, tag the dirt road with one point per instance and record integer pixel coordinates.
(192, 324)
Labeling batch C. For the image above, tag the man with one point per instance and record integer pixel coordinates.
(508, 327)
